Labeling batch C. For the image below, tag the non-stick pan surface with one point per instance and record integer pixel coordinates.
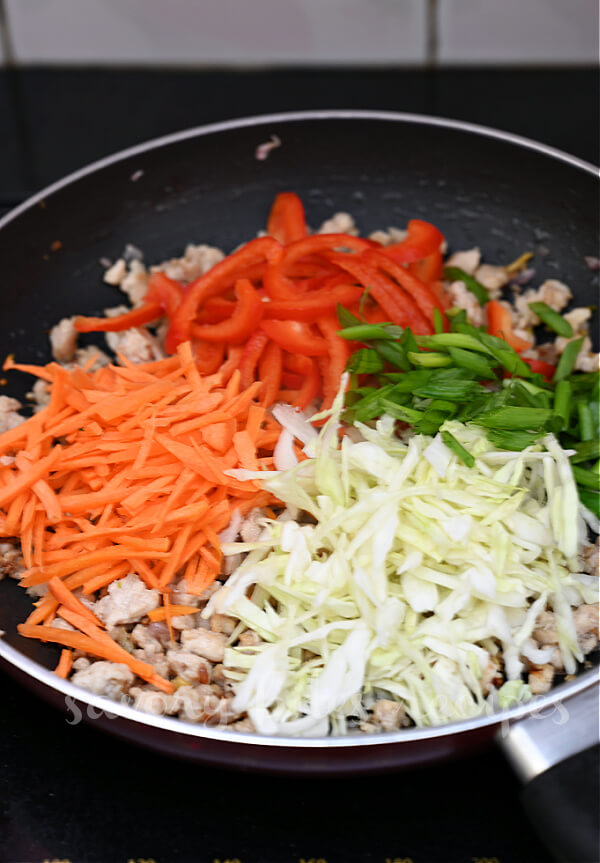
(504, 194)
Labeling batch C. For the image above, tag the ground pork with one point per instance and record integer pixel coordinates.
(128, 600)
(340, 223)
(464, 299)
(203, 642)
(196, 261)
(389, 715)
(492, 278)
(151, 701)
(63, 340)
(540, 679)
(11, 561)
(467, 261)
(386, 238)
(552, 292)
(188, 666)
(137, 345)
(105, 678)
(10, 417)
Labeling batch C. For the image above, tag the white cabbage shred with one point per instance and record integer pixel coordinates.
(411, 571)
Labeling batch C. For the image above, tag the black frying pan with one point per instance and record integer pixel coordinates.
(481, 187)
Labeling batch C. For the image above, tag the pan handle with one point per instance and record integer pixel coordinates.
(556, 754)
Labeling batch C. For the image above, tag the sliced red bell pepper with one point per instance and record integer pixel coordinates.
(500, 325)
(429, 269)
(286, 221)
(269, 372)
(422, 241)
(421, 293)
(250, 356)
(215, 310)
(295, 336)
(208, 356)
(398, 306)
(314, 305)
(279, 287)
(540, 367)
(311, 387)
(143, 314)
(292, 380)
(165, 291)
(319, 243)
(332, 368)
(234, 356)
(216, 281)
(297, 363)
(244, 321)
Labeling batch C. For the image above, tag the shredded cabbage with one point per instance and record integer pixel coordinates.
(409, 568)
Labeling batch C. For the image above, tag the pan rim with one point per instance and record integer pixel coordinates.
(298, 116)
(47, 677)
(110, 708)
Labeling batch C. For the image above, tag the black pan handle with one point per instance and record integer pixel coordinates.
(564, 806)
(556, 754)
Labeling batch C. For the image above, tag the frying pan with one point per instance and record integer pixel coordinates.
(481, 187)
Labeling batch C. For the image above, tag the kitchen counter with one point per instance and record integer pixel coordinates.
(71, 792)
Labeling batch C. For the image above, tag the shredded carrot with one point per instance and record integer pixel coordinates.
(124, 471)
(65, 663)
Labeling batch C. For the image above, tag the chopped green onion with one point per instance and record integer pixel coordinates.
(586, 451)
(363, 299)
(452, 340)
(400, 412)
(408, 341)
(366, 333)
(438, 321)
(512, 440)
(346, 318)
(586, 421)
(393, 353)
(562, 401)
(429, 360)
(409, 381)
(458, 449)
(552, 319)
(585, 477)
(473, 362)
(516, 418)
(458, 316)
(455, 274)
(365, 361)
(453, 391)
(590, 499)
(567, 361)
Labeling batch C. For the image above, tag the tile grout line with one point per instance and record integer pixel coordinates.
(6, 41)
(432, 34)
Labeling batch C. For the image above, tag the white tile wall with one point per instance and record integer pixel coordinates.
(218, 31)
(518, 31)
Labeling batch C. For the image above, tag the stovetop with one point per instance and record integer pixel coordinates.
(72, 792)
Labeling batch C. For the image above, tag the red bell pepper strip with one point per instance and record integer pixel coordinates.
(292, 380)
(295, 336)
(314, 305)
(216, 281)
(208, 356)
(250, 356)
(144, 314)
(215, 310)
(422, 241)
(421, 293)
(269, 372)
(430, 269)
(540, 367)
(234, 356)
(165, 291)
(286, 222)
(319, 243)
(311, 387)
(279, 287)
(399, 307)
(297, 363)
(332, 368)
(244, 321)
(500, 325)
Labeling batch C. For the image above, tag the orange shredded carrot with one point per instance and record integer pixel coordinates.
(124, 471)
(174, 611)
(65, 663)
